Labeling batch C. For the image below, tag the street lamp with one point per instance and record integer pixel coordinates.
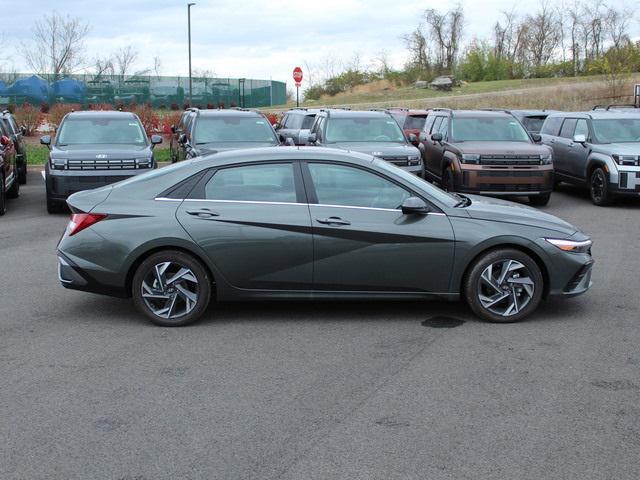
(189, 5)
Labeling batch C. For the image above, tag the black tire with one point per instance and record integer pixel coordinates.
(180, 259)
(472, 285)
(54, 206)
(539, 200)
(3, 197)
(22, 173)
(448, 182)
(14, 191)
(599, 188)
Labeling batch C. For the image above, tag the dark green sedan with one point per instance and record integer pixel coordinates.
(312, 223)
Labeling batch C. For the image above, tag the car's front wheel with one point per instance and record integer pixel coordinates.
(3, 197)
(171, 288)
(504, 286)
(539, 200)
(599, 188)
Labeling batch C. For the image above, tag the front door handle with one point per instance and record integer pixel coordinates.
(203, 213)
(333, 221)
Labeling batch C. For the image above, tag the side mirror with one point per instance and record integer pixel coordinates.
(412, 139)
(156, 139)
(182, 139)
(23, 130)
(580, 138)
(423, 137)
(414, 205)
(289, 142)
(436, 137)
(311, 139)
(5, 141)
(536, 137)
(173, 129)
(45, 140)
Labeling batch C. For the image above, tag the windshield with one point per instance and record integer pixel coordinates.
(420, 184)
(87, 131)
(533, 124)
(233, 130)
(415, 121)
(362, 129)
(487, 129)
(617, 130)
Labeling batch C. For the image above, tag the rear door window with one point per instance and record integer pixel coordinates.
(253, 183)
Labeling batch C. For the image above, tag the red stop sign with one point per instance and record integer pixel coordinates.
(297, 74)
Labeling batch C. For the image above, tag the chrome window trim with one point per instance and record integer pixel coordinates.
(164, 199)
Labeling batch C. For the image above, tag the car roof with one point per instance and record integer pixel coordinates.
(357, 113)
(304, 111)
(533, 113)
(409, 111)
(101, 114)
(481, 113)
(598, 114)
(285, 153)
(227, 112)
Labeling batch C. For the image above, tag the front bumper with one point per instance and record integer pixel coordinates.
(628, 183)
(63, 183)
(504, 180)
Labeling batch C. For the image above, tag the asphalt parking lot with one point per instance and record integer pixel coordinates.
(318, 391)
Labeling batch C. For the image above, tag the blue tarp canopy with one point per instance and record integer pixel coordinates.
(69, 90)
(33, 88)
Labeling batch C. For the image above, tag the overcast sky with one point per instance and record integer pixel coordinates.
(254, 38)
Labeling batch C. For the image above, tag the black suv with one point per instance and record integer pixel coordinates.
(93, 149)
(210, 131)
(295, 124)
(532, 120)
(376, 133)
(16, 134)
(599, 150)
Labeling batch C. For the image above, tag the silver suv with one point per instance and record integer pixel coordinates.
(599, 149)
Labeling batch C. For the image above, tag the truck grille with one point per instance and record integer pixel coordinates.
(511, 173)
(512, 187)
(401, 161)
(127, 164)
(510, 160)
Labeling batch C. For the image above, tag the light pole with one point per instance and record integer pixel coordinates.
(189, 5)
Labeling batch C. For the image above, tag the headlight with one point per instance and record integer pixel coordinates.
(58, 163)
(470, 158)
(413, 158)
(143, 162)
(571, 245)
(545, 159)
(629, 160)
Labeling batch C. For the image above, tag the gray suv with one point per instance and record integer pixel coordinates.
(372, 132)
(599, 149)
(295, 124)
(93, 149)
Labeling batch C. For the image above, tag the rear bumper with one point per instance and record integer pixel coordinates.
(84, 278)
(504, 180)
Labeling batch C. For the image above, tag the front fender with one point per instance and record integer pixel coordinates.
(596, 158)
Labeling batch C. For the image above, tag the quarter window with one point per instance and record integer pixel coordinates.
(354, 187)
(253, 183)
(551, 126)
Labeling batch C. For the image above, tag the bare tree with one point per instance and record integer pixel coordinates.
(446, 30)
(418, 47)
(124, 59)
(616, 23)
(57, 45)
(544, 35)
(103, 66)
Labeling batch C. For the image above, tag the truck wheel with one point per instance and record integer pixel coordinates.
(3, 197)
(22, 173)
(599, 188)
(539, 200)
(14, 191)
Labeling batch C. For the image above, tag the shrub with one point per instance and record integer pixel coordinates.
(149, 118)
(169, 119)
(59, 110)
(44, 107)
(175, 106)
(29, 117)
(100, 106)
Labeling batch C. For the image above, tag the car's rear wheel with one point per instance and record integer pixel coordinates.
(539, 200)
(22, 172)
(3, 197)
(599, 188)
(171, 288)
(504, 286)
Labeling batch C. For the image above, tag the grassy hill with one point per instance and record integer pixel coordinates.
(573, 93)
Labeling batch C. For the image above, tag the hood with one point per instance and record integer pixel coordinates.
(89, 152)
(502, 148)
(211, 148)
(378, 149)
(493, 209)
(631, 148)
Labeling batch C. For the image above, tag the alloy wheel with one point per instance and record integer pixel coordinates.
(597, 186)
(170, 290)
(505, 287)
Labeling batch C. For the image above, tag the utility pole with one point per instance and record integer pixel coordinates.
(189, 5)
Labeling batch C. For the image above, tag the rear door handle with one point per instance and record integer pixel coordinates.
(203, 213)
(333, 221)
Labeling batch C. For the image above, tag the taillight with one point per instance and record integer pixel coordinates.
(80, 221)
